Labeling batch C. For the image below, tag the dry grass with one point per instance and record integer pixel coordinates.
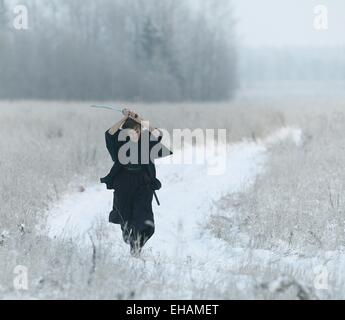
(296, 207)
(299, 199)
(48, 149)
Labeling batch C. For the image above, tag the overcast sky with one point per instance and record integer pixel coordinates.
(288, 22)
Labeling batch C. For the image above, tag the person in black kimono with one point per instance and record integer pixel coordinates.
(133, 146)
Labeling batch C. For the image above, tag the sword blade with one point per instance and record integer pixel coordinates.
(107, 108)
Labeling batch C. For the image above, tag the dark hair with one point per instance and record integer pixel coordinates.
(131, 124)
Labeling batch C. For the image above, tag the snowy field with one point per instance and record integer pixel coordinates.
(182, 244)
(270, 227)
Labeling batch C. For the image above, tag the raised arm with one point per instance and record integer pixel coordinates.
(157, 133)
(117, 126)
(145, 124)
(111, 140)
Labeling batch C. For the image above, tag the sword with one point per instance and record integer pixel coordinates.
(154, 193)
(107, 108)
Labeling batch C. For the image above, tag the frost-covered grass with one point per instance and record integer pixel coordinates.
(300, 198)
(46, 146)
(295, 209)
(51, 149)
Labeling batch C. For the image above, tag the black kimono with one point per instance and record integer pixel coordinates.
(134, 185)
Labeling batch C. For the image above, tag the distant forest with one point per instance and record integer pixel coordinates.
(148, 50)
(291, 64)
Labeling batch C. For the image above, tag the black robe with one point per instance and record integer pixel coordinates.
(133, 192)
(132, 204)
(113, 145)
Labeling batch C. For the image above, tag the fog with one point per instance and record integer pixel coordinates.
(281, 23)
(282, 47)
(125, 49)
(170, 50)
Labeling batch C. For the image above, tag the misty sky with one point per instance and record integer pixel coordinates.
(288, 22)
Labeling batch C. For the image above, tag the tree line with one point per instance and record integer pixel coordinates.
(149, 50)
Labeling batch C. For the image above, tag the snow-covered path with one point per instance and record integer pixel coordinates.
(186, 205)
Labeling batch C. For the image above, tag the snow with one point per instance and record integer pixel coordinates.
(186, 198)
